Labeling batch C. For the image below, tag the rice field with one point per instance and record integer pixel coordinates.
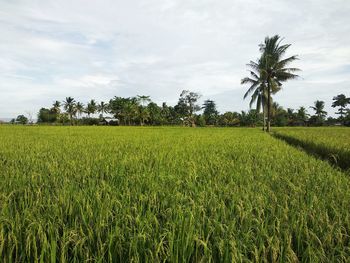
(139, 194)
(330, 143)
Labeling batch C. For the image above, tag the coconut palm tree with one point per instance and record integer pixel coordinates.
(142, 110)
(143, 100)
(56, 106)
(130, 109)
(258, 88)
(144, 114)
(102, 108)
(79, 108)
(69, 106)
(319, 110)
(91, 107)
(273, 67)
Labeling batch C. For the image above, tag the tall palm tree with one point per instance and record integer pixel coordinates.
(56, 106)
(273, 67)
(258, 88)
(79, 108)
(91, 107)
(319, 109)
(102, 108)
(142, 110)
(69, 106)
(130, 109)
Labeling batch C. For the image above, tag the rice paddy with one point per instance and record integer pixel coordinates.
(121, 194)
(330, 143)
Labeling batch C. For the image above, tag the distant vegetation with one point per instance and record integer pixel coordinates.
(266, 76)
(137, 111)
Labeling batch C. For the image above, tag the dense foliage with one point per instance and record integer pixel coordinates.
(141, 110)
(77, 194)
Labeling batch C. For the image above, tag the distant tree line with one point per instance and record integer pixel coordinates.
(265, 79)
(141, 110)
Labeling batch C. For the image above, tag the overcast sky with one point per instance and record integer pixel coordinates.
(100, 49)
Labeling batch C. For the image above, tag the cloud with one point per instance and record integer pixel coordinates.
(100, 49)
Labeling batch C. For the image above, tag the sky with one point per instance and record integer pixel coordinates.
(99, 49)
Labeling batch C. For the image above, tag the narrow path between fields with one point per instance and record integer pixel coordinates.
(335, 158)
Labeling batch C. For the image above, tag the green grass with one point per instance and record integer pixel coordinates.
(118, 194)
(332, 144)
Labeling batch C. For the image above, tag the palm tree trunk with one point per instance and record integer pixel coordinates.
(264, 119)
(263, 110)
(268, 106)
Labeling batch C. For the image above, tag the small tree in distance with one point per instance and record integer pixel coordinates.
(21, 119)
(187, 106)
(320, 113)
(210, 112)
(341, 101)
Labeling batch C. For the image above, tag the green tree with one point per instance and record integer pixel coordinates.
(250, 118)
(200, 120)
(154, 112)
(347, 117)
(229, 118)
(69, 107)
(91, 107)
(63, 118)
(273, 68)
(187, 106)
(80, 108)
(130, 110)
(47, 115)
(56, 106)
(117, 108)
(302, 116)
(210, 113)
(21, 119)
(258, 88)
(143, 114)
(142, 109)
(279, 115)
(341, 101)
(165, 114)
(292, 117)
(320, 113)
(102, 108)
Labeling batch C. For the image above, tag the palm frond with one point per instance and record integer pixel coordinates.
(250, 90)
(286, 61)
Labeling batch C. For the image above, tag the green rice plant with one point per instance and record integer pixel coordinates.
(155, 194)
(330, 143)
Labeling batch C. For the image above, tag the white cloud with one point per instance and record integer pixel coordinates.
(99, 49)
